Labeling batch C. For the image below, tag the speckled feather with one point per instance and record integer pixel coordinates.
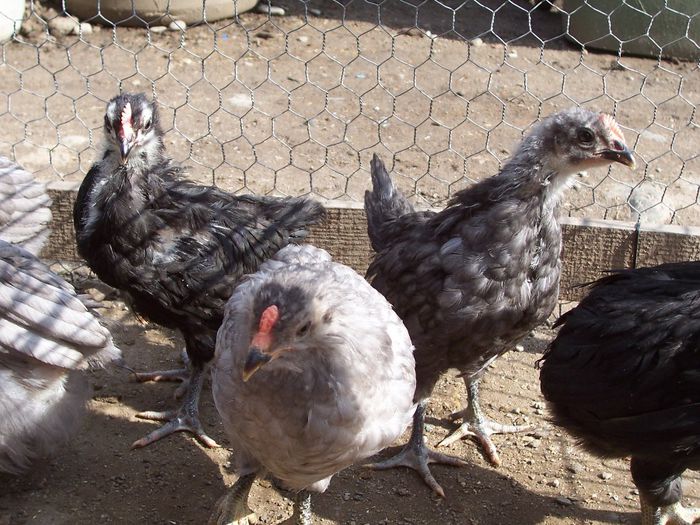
(46, 337)
(177, 248)
(337, 397)
(472, 279)
(24, 208)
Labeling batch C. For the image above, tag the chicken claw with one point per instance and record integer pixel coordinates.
(232, 508)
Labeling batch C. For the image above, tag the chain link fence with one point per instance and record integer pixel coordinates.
(295, 104)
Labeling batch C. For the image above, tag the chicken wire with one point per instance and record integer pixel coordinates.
(297, 104)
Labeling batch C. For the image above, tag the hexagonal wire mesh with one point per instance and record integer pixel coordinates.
(443, 90)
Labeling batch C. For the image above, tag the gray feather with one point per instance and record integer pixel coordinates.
(46, 337)
(25, 211)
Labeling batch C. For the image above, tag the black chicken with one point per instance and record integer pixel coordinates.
(623, 376)
(473, 279)
(176, 248)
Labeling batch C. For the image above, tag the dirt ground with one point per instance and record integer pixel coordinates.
(254, 106)
(298, 104)
(544, 478)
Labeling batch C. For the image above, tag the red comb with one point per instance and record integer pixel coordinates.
(268, 319)
(126, 120)
(611, 124)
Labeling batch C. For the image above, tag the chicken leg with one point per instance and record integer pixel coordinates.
(675, 514)
(185, 419)
(232, 508)
(302, 508)
(477, 425)
(417, 456)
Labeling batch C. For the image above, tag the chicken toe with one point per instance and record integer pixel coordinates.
(675, 514)
(418, 456)
(186, 419)
(478, 426)
(232, 508)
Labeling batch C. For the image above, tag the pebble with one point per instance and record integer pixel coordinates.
(476, 42)
(564, 501)
(83, 28)
(177, 25)
(605, 476)
(315, 11)
(402, 491)
(554, 483)
(513, 54)
(158, 29)
(303, 39)
(63, 25)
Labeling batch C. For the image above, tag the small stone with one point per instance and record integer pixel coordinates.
(303, 39)
(158, 29)
(566, 502)
(63, 25)
(264, 7)
(82, 29)
(554, 483)
(402, 491)
(315, 11)
(476, 42)
(177, 25)
(513, 54)
(605, 476)
(346, 496)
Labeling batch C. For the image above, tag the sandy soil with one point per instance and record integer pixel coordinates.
(544, 477)
(295, 104)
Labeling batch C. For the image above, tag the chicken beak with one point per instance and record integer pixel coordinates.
(124, 149)
(623, 156)
(255, 361)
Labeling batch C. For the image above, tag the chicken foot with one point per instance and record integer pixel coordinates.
(478, 426)
(418, 456)
(232, 508)
(185, 419)
(675, 514)
(177, 374)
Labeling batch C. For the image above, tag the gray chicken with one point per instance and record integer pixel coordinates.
(25, 211)
(313, 372)
(47, 336)
(473, 279)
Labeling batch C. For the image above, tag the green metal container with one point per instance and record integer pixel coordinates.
(669, 28)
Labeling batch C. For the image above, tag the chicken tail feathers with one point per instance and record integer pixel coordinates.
(300, 215)
(384, 203)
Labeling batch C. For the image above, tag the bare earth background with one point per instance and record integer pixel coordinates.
(544, 478)
(296, 120)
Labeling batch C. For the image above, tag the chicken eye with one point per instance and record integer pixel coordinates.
(586, 136)
(147, 125)
(304, 329)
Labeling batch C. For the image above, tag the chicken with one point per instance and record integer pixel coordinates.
(313, 372)
(24, 208)
(47, 338)
(473, 279)
(623, 377)
(177, 249)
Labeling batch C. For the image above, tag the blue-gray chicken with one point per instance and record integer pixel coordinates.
(47, 336)
(25, 211)
(175, 248)
(473, 279)
(313, 372)
(623, 376)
